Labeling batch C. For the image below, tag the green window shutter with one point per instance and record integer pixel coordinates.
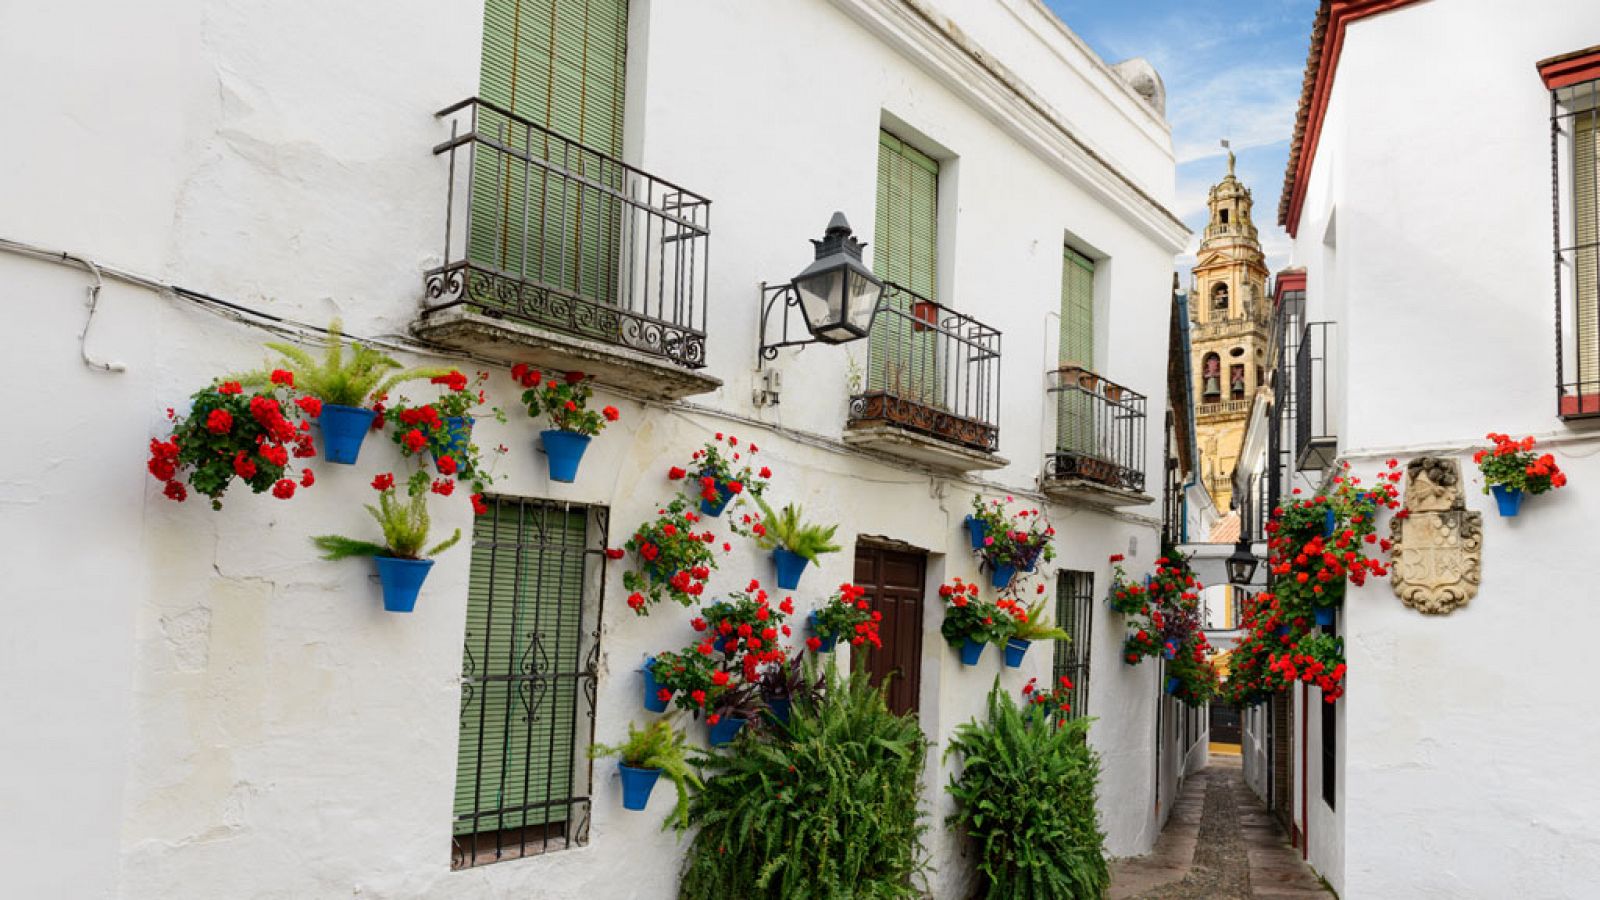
(902, 361)
(517, 751)
(1586, 269)
(1075, 427)
(562, 65)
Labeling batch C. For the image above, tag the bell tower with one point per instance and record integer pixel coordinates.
(1230, 317)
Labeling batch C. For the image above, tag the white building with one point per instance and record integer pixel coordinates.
(199, 707)
(1437, 145)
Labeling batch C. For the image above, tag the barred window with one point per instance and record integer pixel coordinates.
(528, 680)
(1075, 615)
(1575, 177)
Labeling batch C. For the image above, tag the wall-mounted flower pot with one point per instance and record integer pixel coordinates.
(343, 430)
(715, 507)
(1329, 522)
(790, 566)
(1030, 562)
(402, 581)
(780, 708)
(637, 785)
(457, 436)
(924, 315)
(1283, 631)
(1172, 684)
(1016, 649)
(1508, 499)
(1324, 616)
(723, 733)
(826, 639)
(1169, 649)
(977, 530)
(971, 652)
(1002, 575)
(652, 688)
(564, 450)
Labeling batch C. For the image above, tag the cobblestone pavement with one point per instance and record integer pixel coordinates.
(1219, 844)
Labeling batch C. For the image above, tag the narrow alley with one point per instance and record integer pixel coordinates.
(1220, 844)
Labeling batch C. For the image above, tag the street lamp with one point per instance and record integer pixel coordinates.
(1242, 564)
(838, 293)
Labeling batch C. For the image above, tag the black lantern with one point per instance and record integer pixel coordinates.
(1242, 564)
(838, 293)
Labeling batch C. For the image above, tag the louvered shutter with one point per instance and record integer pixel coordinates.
(518, 728)
(559, 64)
(904, 361)
(1586, 268)
(1075, 430)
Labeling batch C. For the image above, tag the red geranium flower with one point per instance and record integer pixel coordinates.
(284, 489)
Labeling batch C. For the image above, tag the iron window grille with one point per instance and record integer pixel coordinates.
(544, 230)
(1316, 444)
(528, 680)
(1575, 193)
(1075, 616)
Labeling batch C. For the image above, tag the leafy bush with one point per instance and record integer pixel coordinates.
(1025, 795)
(826, 808)
(657, 746)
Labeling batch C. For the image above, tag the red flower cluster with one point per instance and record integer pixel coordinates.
(1056, 703)
(745, 629)
(722, 470)
(1512, 465)
(677, 558)
(227, 436)
(848, 616)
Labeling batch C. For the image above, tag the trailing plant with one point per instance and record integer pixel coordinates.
(228, 434)
(826, 808)
(969, 617)
(1126, 597)
(1163, 614)
(1191, 665)
(404, 524)
(1026, 797)
(564, 401)
(690, 679)
(746, 629)
(712, 467)
(847, 616)
(1320, 543)
(1032, 623)
(661, 746)
(1055, 702)
(1513, 465)
(1316, 659)
(427, 428)
(787, 530)
(675, 560)
(1018, 539)
(347, 374)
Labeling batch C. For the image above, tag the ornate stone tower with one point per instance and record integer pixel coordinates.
(1230, 312)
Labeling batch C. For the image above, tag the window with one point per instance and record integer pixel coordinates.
(903, 357)
(1236, 381)
(1330, 754)
(1075, 616)
(1574, 83)
(1211, 378)
(1219, 298)
(528, 681)
(1224, 217)
(1075, 432)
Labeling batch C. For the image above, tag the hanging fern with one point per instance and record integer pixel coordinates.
(352, 381)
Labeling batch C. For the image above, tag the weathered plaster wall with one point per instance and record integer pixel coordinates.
(206, 708)
(1464, 763)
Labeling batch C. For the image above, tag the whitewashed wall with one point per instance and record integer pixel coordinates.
(201, 708)
(1465, 747)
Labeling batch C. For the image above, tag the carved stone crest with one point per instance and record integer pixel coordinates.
(1437, 559)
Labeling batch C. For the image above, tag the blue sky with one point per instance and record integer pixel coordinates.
(1232, 70)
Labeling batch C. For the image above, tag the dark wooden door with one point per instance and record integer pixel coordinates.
(894, 583)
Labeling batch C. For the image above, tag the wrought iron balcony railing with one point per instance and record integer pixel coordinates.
(543, 230)
(1100, 430)
(1315, 441)
(931, 370)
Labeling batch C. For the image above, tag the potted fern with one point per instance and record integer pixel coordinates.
(645, 756)
(402, 562)
(794, 543)
(1031, 624)
(347, 379)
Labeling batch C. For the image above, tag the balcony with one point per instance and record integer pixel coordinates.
(1100, 441)
(1316, 443)
(931, 389)
(559, 255)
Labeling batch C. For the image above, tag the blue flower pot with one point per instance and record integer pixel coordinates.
(1169, 650)
(790, 566)
(780, 708)
(827, 640)
(1172, 684)
(343, 430)
(652, 688)
(457, 436)
(722, 733)
(564, 449)
(1002, 575)
(1508, 499)
(402, 580)
(637, 785)
(1016, 649)
(1328, 523)
(715, 507)
(1283, 631)
(1324, 616)
(971, 652)
(977, 530)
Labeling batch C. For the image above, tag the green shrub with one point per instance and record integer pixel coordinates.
(826, 808)
(1025, 796)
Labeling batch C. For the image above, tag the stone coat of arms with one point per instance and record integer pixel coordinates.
(1437, 560)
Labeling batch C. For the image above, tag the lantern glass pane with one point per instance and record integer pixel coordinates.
(863, 300)
(821, 295)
